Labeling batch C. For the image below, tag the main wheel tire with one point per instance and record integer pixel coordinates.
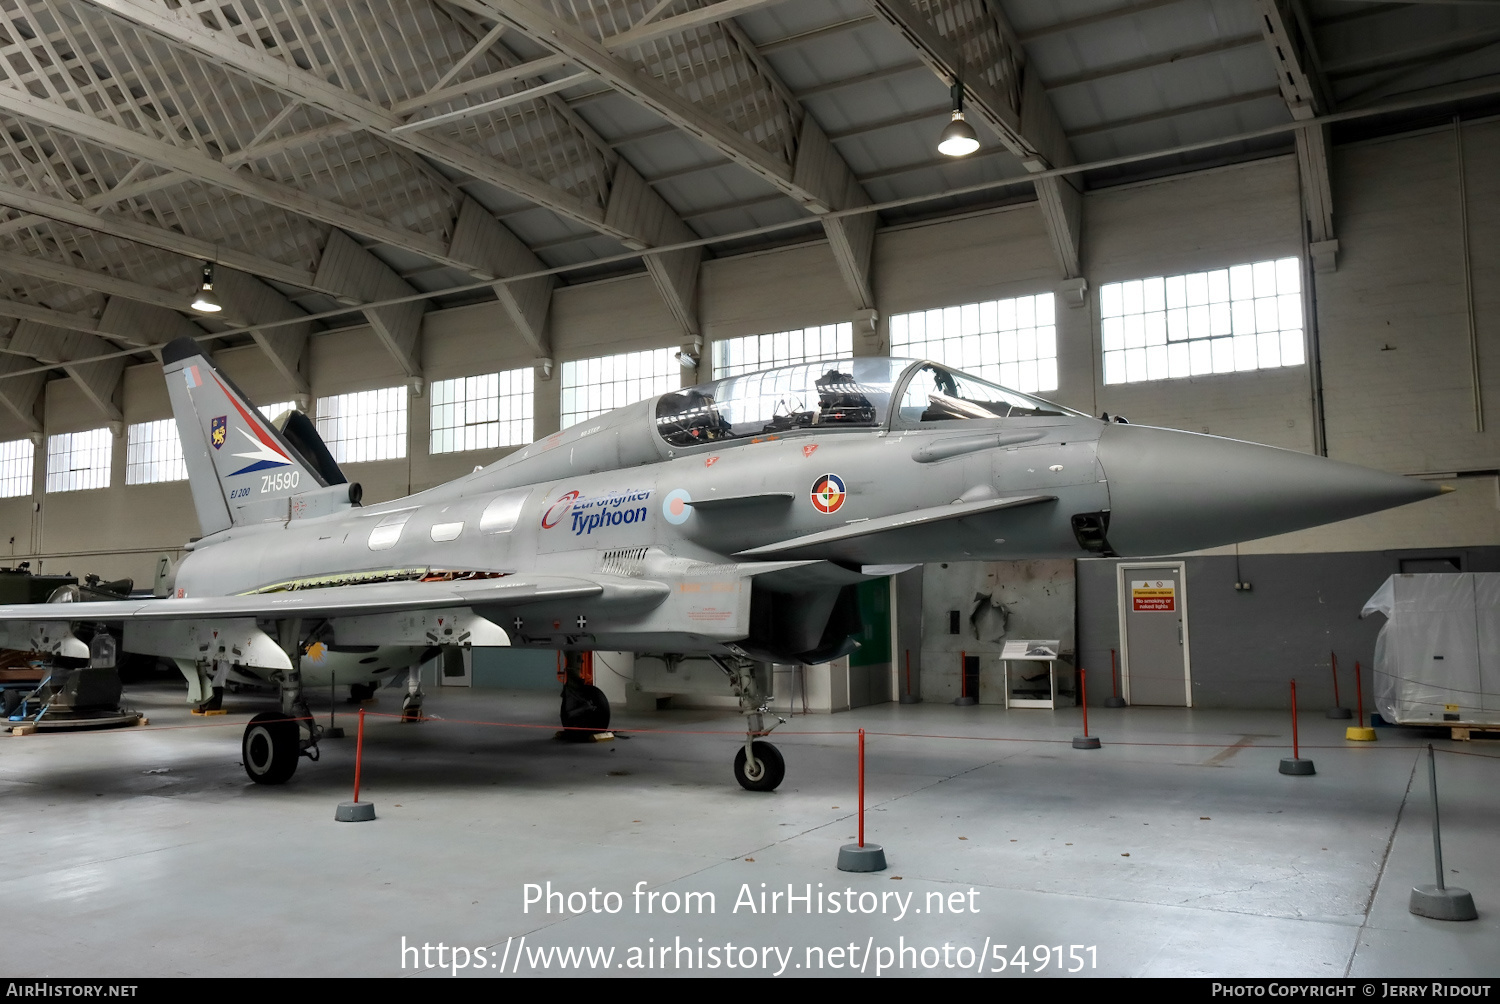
(11, 701)
(270, 748)
(360, 692)
(771, 768)
(585, 710)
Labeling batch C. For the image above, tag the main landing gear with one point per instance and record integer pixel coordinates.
(758, 766)
(585, 709)
(274, 741)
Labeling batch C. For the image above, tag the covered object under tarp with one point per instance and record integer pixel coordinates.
(1437, 658)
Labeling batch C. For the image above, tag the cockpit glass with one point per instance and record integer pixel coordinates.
(831, 394)
(834, 394)
(938, 394)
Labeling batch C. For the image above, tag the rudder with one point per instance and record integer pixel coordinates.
(239, 464)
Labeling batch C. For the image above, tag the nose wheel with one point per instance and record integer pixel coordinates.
(762, 769)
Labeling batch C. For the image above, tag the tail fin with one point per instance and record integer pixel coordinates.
(241, 468)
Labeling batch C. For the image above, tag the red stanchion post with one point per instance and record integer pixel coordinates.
(861, 787)
(1295, 751)
(356, 811)
(1360, 732)
(862, 857)
(1338, 710)
(1113, 700)
(1083, 696)
(1359, 694)
(359, 752)
(1085, 741)
(1296, 765)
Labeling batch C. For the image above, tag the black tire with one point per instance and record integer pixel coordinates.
(772, 768)
(270, 748)
(12, 701)
(361, 692)
(585, 710)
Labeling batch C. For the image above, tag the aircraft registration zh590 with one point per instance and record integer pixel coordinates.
(731, 520)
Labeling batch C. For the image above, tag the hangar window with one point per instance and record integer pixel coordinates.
(153, 452)
(275, 411)
(736, 356)
(1246, 317)
(593, 386)
(17, 460)
(482, 412)
(366, 425)
(79, 460)
(1012, 342)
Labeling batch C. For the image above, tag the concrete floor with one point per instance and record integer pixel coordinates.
(1176, 850)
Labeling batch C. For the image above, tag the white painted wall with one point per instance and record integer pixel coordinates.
(1393, 323)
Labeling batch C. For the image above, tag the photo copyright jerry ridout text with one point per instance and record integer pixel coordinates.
(1353, 988)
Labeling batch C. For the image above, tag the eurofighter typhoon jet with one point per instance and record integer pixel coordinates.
(731, 520)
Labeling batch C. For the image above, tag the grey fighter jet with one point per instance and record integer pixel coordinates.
(731, 520)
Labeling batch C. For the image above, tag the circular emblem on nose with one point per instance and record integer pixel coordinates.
(828, 493)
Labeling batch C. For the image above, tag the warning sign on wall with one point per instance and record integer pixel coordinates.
(1153, 595)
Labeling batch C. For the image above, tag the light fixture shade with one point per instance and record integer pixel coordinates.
(206, 302)
(959, 138)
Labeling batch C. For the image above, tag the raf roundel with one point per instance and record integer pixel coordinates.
(828, 493)
(677, 507)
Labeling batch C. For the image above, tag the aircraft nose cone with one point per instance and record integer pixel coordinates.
(1175, 491)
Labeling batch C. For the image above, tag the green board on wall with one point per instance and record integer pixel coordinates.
(875, 614)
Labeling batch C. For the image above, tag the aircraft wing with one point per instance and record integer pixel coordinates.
(882, 539)
(345, 601)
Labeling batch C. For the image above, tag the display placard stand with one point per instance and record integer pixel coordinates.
(1044, 651)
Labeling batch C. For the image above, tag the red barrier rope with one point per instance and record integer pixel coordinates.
(740, 733)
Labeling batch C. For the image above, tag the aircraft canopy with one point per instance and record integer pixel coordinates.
(835, 394)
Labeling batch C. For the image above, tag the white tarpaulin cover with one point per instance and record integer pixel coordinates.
(1437, 658)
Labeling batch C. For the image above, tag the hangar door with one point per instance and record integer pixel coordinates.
(1153, 634)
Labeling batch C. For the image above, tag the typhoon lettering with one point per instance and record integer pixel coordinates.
(608, 510)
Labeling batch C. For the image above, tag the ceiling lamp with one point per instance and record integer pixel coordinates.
(205, 302)
(958, 139)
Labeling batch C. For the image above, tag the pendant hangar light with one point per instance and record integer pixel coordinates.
(206, 302)
(958, 138)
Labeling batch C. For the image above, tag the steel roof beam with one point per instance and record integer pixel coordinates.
(346, 265)
(73, 351)
(1021, 115)
(18, 394)
(817, 176)
(1304, 88)
(78, 215)
(185, 28)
